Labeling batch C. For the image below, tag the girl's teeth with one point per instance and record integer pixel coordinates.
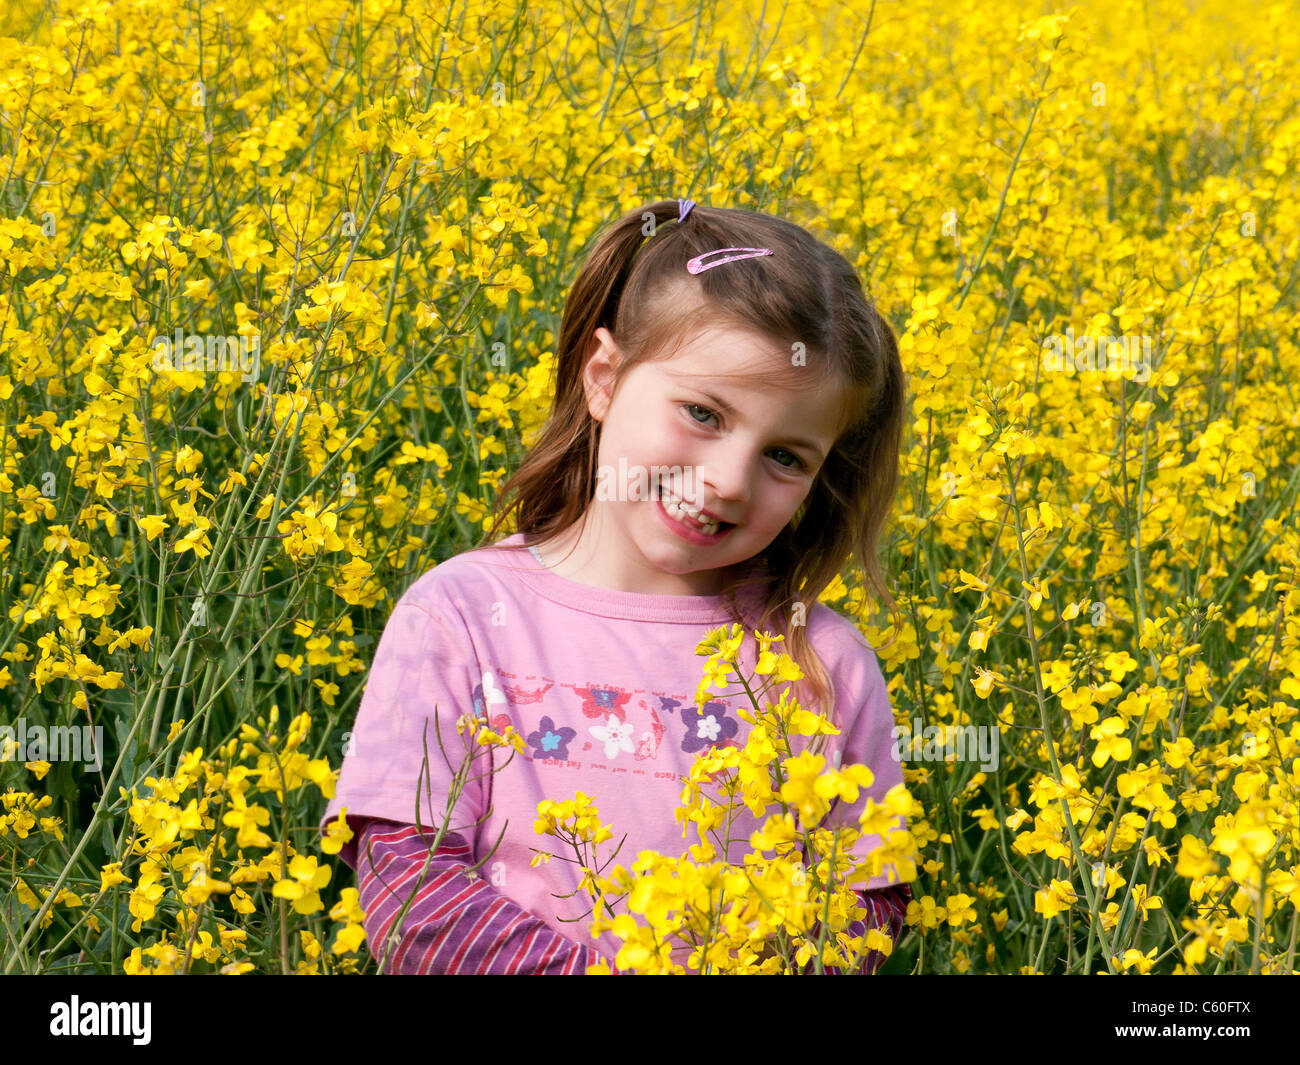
(681, 513)
(675, 501)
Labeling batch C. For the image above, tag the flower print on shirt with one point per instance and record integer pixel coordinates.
(616, 735)
(486, 696)
(709, 729)
(549, 741)
(602, 702)
(667, 705)
(648, 745)
(520, 696)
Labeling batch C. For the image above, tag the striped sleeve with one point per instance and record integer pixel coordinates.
(457, 923)
(886, 908)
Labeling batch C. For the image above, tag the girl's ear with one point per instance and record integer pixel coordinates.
(603, 359)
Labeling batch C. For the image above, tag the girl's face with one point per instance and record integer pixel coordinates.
(750, 451)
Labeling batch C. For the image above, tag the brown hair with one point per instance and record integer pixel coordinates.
(805, 294)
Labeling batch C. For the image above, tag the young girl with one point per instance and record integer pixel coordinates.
(725, 431)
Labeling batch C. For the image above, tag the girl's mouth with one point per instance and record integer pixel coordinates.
(688, 528)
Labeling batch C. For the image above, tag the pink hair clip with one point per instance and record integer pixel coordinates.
(698, 265)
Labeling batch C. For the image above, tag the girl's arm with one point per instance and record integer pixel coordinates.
(457, 923)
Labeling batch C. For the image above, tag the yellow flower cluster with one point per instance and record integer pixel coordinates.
(788, 906)
(21, 810)
(576, 817)
(186, 857)
(486, 737)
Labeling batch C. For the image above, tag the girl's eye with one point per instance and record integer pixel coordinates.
(797, 464)
(694, 407)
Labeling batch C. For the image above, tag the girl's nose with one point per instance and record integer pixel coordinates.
(727, 480)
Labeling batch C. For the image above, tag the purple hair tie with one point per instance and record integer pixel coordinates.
(683, 209)
(698, 266)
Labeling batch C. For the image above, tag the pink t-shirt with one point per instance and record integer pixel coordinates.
(601, 684)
